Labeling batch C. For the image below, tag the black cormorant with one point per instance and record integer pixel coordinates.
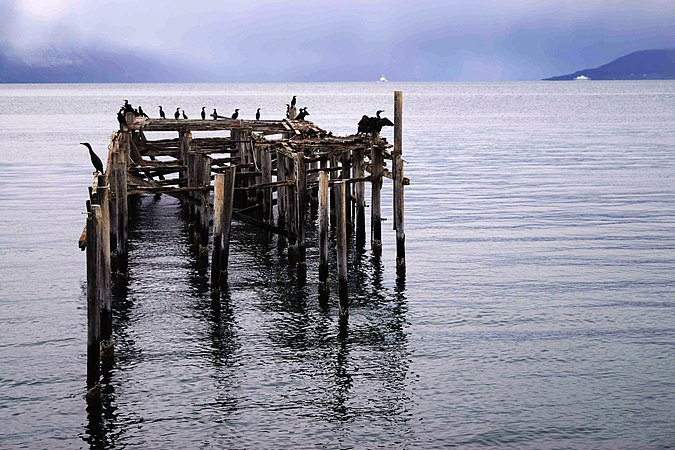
(120, 117)
(127, 107)
(184, 115)
(161, 113)
(302, 114)
(378, 112)
(141, 112)
(215, 114)
(176, 115)
(293, 100)
(257, 114)
(203, 113)
(363, 125)
(235, 114)
(95, 160)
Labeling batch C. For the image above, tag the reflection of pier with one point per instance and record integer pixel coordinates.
(291, 164)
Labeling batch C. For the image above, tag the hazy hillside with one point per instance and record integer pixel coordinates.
(641, 65)
(89, 65)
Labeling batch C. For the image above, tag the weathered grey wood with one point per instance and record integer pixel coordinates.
(333, 176)
(204, 209)
(340, 189)
(266, 169)
(345, 163)
(301, 177)
(281, 191)
(323, 234)
(397, 158)
(375, 214)
(103, 194)
(94, 280)
(292, 212)
(360, 195)
(222, 219)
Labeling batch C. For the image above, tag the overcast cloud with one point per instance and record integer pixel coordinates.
(352, 40)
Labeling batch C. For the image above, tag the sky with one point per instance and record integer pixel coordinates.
(317, 40)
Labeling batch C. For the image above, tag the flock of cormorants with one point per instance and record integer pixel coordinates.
(367, 125)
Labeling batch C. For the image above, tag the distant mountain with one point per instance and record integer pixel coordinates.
(88, 65)
(641, 65)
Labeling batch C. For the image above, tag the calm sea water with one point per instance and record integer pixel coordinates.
(538, 309)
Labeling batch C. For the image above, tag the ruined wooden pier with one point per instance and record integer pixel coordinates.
(265, 173)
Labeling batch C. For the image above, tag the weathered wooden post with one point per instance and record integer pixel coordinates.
(323, 234)
(341, 188)
(301, 223)
(107, 347)
(222, 219)
(266, 169)
(292, 212)
(333, 176)
(376, 175)
(360, 194)
(397, 169)
(345, 163)
(94, 283)
(121, 214)
(204, 194)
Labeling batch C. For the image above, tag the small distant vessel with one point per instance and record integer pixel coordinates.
(383, 79)
(582, 77)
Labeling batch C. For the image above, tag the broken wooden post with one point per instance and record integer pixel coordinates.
(323, 234)
(301, 177)
(121, 214)
(103, 194)
(94, 283)
(281, 190)
(376, 175)
(341, 188)
(397, 169)
(360, 194)
(222, 219)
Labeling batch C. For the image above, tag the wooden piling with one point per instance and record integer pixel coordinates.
(266, 169)
(360, 194)
(94, 284)
(121, 215)
(397, 169)
(345, 163)
(103, 194)
(292, 212)
(222, 219)
(323, 234)
(341, 188)
(204, 208)
(376, 175)
(281, 190)
(301, 223)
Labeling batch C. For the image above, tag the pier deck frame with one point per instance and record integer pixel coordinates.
(294, 159)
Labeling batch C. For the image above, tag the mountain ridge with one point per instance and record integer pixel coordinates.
(653, 64)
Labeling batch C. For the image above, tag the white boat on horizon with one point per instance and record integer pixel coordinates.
(582, 77)
(383, 79)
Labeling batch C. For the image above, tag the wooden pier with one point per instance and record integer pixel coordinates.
(255, 166)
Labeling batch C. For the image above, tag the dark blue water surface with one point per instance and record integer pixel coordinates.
(538, 309)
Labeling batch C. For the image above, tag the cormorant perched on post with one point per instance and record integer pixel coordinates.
(257, 114)
(176, 115)
(141, 112)
(127, 107)
(203, 113)
(369, 125)
(363, 125)
(293, 100)
(235, 114)
(184, 115)
(95, 160)
(120, 117)
(302, 114)
(161, 113)
(215, 114)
